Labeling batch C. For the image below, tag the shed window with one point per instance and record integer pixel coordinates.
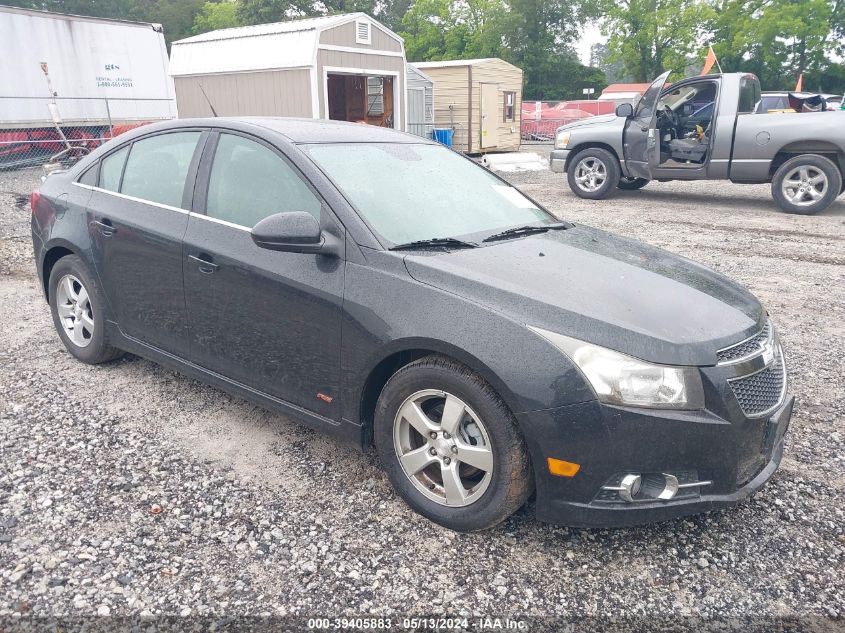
(362, 32)
(510, 107)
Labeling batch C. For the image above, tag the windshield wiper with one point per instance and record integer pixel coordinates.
(436, 242)
(525, 230)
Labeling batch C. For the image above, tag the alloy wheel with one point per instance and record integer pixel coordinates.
(443, 448)
(590, 174)
(75, 313)
(805, 185)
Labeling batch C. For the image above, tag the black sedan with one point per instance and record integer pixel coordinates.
(387, 290)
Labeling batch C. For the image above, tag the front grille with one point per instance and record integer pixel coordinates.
(746, 347)
(759, 393)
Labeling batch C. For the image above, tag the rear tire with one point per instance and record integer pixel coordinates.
(593, 173)
(806, 184)
(630, 184)
(466, 480)
(79, 311)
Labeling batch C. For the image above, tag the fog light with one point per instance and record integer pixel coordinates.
(628, 487)
(632, 487)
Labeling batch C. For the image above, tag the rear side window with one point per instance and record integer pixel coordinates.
(111, 168)
(249, 182)
(749, 95)
(89, 177)
(157, 167)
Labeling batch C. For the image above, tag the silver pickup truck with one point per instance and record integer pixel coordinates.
(706, 128)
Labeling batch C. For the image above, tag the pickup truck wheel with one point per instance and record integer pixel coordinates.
(806, 184)
(629, 184)
(593, 173)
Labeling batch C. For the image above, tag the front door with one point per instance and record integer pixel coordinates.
(416, 111)
(137, 217)
(267, 319)
(641, 145)
(489, 115)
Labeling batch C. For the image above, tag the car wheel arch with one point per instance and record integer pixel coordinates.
(54, 253)
(402, 353)
(826, 149)
(574, 151)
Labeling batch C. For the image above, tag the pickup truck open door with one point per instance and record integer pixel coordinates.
(640, 142)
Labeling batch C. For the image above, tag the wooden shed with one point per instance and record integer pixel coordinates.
(343, 67)
(480, 100)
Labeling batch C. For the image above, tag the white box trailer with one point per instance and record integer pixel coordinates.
(97, 69)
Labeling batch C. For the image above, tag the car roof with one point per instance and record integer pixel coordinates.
(311, 130)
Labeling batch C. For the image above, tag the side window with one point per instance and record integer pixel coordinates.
(111, 168)
(89, 176)
(157, 167)
(510, 107)
(249, 182)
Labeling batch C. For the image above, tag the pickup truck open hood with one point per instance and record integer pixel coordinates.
(601, 288)
(593, 120)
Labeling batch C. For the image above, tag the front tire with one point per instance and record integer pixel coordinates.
(593, 173)
(450, 446)
(806, 184)
(631, 184)
(79, 311)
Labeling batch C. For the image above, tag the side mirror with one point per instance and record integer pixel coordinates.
(293, 232)
(625, 110)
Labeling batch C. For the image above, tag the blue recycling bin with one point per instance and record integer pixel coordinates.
(443, 135)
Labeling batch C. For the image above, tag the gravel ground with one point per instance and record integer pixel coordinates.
(128, 489)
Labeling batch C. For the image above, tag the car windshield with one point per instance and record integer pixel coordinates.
(411, 192)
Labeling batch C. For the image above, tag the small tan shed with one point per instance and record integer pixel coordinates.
(342, 67)
(480, 100)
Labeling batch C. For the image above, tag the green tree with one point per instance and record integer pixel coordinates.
(216, 15)
(651, 36)
(266, 11)
(779, 40)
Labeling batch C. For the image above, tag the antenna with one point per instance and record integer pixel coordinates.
(213, 111)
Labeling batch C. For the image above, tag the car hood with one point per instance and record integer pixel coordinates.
(601, 288)
(593, 120)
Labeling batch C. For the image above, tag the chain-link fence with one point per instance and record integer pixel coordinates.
(543, 130)
(540, 119)
(39, 131)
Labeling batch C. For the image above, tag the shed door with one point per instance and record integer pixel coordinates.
(416, 111)
(489, 115)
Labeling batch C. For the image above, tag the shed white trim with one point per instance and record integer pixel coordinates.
(360, 51)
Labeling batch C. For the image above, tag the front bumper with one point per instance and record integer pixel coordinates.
(737, 457)
(557, 160)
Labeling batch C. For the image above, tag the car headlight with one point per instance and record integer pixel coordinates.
(620, 379)
(562, 140)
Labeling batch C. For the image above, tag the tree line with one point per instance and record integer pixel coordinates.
(778, 40)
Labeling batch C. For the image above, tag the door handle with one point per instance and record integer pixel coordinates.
(205, 265)
(105, 227)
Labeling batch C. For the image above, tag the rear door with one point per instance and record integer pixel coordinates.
(416, 111)
(641, 146)
(137, 217)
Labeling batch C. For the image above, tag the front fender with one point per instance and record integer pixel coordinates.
(385, 313)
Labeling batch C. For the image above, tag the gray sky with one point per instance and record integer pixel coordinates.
(589, 35)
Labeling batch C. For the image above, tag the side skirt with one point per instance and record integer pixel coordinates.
(344, 429)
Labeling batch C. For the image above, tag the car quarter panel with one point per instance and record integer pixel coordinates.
(56, 221)
(759, 138)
